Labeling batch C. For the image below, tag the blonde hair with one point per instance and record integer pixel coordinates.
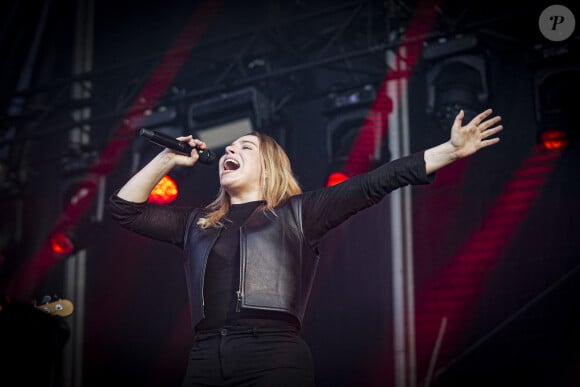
(278, 183)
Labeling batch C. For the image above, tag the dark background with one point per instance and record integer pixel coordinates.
(495, 237)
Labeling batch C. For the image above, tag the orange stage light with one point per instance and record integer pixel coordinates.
(554, 139)
(61, 244)
(164, 192)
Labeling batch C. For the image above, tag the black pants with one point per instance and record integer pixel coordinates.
(244, 357)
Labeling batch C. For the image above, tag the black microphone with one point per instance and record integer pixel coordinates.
(206, 156)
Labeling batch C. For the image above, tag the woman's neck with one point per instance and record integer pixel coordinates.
(245, 198)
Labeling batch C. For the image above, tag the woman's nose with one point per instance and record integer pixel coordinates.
(230, 149)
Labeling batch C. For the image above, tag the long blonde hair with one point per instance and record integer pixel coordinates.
(278, 183)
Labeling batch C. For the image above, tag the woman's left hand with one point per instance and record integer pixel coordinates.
(476, 134)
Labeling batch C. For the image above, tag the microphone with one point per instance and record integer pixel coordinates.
(206, 156)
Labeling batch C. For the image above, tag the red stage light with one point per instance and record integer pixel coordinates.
(336, 178)
(554, 139)
(61, 244)
(164, 192)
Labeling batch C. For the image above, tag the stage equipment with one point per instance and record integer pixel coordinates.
(219, 120)
(555, 103)
(456, 79)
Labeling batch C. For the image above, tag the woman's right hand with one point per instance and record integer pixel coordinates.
(181, 159)
(139, 186)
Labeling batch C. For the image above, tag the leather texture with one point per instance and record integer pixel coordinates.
(277, 268)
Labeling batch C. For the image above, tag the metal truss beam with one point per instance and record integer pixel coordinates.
(349, 38)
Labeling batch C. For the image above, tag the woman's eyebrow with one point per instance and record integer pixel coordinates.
(245, 142)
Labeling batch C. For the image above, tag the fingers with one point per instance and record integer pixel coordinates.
(194, 155)
(478, 119)
(487, 130)
(482, 124)
(459, 117)
(194, 142)
(489, 142)
(490, 132)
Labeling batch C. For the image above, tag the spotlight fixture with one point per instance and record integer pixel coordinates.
(555, 103)
(456, 79)
(220, 120)
(61, 244)
(456, 83)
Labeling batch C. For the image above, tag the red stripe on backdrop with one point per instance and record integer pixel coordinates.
(23, 283)
(440, 201)
(457, 288)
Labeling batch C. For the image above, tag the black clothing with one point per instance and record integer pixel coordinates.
(258, 357)
(277, 267)
(268, 351)
(322, 210)
(222, 276)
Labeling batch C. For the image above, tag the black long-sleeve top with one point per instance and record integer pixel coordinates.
(322, 210)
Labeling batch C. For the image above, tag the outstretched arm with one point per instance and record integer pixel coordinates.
(139, 186)
(464, 141)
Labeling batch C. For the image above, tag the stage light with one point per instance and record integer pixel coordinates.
(61, 244)
(341, 100)
(356, 132)
(455, 84)
(166, 191)
(554, 139)
(555, 105)
(456, 80)
(220, 120)
(341, 133)
(221, 135)
(336, 178)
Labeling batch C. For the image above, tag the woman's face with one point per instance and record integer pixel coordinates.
(240, 168)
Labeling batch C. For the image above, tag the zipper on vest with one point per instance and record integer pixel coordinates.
(239, 303)
(242, 258)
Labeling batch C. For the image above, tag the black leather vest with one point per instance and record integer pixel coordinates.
(277, 266)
